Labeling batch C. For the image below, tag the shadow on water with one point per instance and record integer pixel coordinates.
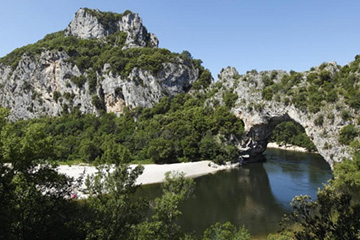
(241, 196)
(256, 195)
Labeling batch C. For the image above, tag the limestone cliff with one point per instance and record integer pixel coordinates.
(261, 115)
(102, 61)
(90, 24)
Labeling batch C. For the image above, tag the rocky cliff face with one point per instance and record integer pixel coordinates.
(51, 82)
(94, 24)
(260, 116)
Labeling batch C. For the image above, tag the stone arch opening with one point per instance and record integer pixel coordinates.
(291, 133)
(260, 134)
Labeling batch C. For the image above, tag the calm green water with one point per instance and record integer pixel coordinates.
(256, 195)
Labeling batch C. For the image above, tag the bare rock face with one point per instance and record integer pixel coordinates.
(261, 116)
(51, 83)
(94, 24)
(43, 86)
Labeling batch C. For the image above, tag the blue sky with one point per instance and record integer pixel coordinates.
(246, 34)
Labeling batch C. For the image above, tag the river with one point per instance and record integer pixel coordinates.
(256, 195)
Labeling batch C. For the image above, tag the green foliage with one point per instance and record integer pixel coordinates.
(97, 102)
(92, 79)
(56, 95)
(335, 213)
(174, 130)
(230, 98)
(345, 115)
(267, 80)
(32, 203)
(348, 134)
(319, 121)
(204, 80)
(280, 236)
(267, 93)
(311, 92)
(92, 54)
(79, 81)
(25, 148)
(176, 189)
(331, 216)
(226, 231)
(161, 151)
(348, 172)
(114, 212)
(293, 133)
(107, 18)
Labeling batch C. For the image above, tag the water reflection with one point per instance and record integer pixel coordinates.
(294, 173)
(257, 195)
(241, 196)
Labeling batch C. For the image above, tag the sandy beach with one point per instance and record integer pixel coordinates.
(154, 173)
(288, 147)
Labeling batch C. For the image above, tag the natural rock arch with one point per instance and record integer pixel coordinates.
(261, 116)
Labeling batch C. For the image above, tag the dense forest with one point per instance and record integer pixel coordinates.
(180, 129)
(36, 201)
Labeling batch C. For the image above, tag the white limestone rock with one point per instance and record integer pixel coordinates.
(261, 116)
(87, 25)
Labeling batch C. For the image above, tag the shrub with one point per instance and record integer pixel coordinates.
(319, 120)
(267, 80)
(56, 95)
(267, 93)
(79, 81)
(230, 98)
(345, 115)
(96, 101)
(348, 134)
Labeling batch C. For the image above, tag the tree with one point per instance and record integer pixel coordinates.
(348, 134)
(331, 216)
(226, 231)
(114, 211)
(88, 150)
(161, 151)
(335, 213)
(33, 201)
(163, 225)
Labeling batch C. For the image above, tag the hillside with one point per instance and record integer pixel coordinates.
(324, 101)
(102, 61)
(105, 63)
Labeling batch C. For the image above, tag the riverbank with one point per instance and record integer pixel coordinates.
(287, 147)
(153, 173)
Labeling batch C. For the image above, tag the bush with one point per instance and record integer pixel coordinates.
(348, 134)
(267, 80)
(345, 115)
(56, 95)
(96, 101)
(230, 98)
(79, 81)
(226, 231)
(319, 120)
(267, 93)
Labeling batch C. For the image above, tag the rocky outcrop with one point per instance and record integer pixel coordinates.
(261, 116)
(94, 24)
(51, 83)
(43, 85)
